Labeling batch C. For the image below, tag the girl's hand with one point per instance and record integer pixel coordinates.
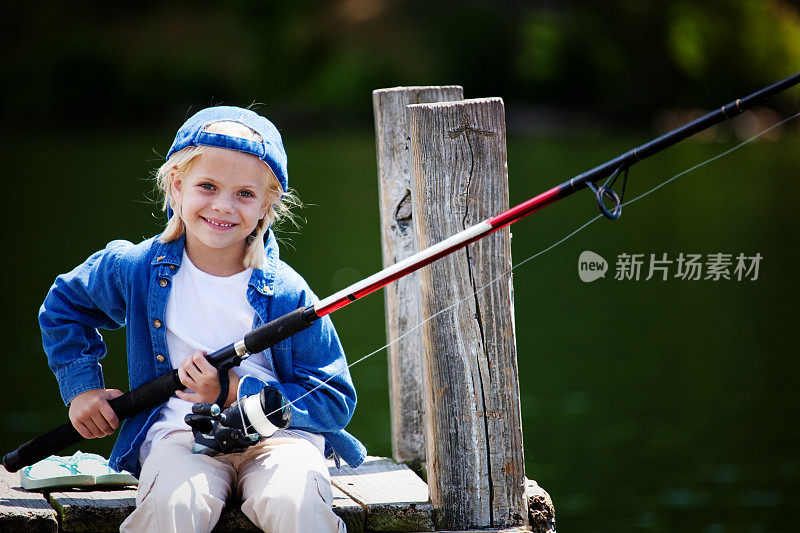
(200, 376)
(91, 415)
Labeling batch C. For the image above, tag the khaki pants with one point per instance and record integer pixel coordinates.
(283, 482)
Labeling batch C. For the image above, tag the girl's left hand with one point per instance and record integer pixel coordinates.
(200, 376)
(197, 374)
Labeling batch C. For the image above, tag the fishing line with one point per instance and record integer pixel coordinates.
(545, 250)
(723, 154)
(161, 388)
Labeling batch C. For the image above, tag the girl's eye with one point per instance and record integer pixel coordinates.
(247, 194)
(207, 186)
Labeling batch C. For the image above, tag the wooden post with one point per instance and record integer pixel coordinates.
(475, 460)
(397, 234)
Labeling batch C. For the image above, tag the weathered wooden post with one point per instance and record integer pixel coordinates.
(475, 460)
(397, 234)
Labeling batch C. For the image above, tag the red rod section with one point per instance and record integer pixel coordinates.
(493, 224)
(530, 206)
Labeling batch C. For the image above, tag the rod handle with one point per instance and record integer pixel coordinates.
(279, 329)
(151, 394)
(43, 446)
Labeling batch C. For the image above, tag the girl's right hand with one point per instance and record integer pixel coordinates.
(91, 415)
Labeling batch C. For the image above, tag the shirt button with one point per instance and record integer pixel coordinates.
(157, 323)
(160, 258)
(172, 267)
(160, 358)
(163, 282)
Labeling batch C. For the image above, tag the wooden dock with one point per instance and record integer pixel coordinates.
(454, 384)
(380, 495)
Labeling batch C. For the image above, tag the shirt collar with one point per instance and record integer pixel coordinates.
(169, 253)
(262, 279)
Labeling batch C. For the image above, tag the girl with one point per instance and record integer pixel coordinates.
(209, 278)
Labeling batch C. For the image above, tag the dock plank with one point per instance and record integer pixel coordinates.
(517, 529)
(102, 511)
(351, 512)
(395, 498)
(93, 510)
(23, 511)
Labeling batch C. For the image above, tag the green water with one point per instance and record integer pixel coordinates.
(647, 405)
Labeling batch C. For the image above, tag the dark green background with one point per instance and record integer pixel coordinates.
(647, 405)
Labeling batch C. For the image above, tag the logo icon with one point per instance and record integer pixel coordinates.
(591, 266)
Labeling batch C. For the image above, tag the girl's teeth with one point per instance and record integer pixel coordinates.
(221, 224)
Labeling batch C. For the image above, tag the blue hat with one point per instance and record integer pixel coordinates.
(270, 150)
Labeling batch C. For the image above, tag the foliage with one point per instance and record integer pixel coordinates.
(97, 63)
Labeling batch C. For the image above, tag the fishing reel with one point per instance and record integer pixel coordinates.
(605, 192)
(228, 431)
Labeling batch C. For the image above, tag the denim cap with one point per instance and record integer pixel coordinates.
(270, 150)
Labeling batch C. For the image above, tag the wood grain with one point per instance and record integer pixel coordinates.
(93, 510)
(394, 497)
(23, 511)
(474, 430)
(397, 235)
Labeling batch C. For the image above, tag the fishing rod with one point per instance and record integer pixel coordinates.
(159, 390)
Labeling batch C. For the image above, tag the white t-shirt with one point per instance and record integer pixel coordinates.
(205, 312)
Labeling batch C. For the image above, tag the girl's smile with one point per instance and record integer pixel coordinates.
(218, 223)
(221, 199)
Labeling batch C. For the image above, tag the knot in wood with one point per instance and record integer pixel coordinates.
(466, 128)
(402, 214)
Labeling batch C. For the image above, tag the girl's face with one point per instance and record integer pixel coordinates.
(220, 200)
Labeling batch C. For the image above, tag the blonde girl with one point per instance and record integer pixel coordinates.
(208, 279)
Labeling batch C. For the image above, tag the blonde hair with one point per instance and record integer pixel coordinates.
(182, 162)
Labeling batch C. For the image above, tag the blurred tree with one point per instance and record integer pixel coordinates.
(93, 63)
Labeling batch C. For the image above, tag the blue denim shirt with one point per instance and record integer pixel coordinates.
(128, 285)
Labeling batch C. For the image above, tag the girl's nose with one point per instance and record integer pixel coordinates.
(223, 204)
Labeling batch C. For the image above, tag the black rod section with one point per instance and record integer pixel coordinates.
(726, 112)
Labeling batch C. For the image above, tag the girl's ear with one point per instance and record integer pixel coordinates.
(270, 199)
(175, 183)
